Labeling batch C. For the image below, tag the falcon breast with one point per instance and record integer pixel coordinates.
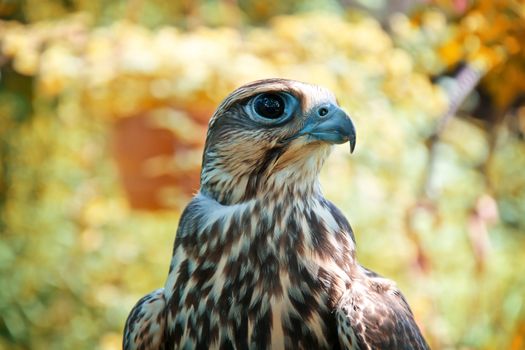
(261, 259)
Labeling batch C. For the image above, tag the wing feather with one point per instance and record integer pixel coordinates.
(146, 323)
(373, 314)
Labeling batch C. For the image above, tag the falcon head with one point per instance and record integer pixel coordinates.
(271, 136)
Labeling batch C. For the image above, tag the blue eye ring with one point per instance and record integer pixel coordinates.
(272, 108)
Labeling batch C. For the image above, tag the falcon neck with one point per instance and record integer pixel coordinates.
(266, 191)
(268, 183)
(313, 218)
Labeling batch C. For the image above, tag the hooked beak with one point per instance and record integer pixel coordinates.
(330, 124)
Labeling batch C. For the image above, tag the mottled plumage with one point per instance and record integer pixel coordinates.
(261, 259)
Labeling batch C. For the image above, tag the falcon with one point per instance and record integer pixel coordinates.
(261, 259)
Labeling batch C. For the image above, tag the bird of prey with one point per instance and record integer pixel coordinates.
(261, 259)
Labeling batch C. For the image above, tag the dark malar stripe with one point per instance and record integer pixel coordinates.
(256, 176)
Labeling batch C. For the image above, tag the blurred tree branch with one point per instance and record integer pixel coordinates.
(461, 86)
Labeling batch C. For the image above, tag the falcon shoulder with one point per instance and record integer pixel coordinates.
(373, 314)
(146, 323)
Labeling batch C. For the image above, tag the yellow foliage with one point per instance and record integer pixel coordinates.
(491, 36)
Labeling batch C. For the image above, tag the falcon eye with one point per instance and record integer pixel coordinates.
(272, 108)
(268, 105)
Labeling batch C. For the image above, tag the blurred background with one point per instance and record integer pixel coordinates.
(103, 114)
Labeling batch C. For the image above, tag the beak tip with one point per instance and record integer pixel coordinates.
(352, 146)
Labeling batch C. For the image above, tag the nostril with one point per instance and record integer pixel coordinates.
(323, 111)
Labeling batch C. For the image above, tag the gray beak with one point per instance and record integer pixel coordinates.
(331, 124)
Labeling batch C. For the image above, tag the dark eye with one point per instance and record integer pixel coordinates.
(270, 106)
